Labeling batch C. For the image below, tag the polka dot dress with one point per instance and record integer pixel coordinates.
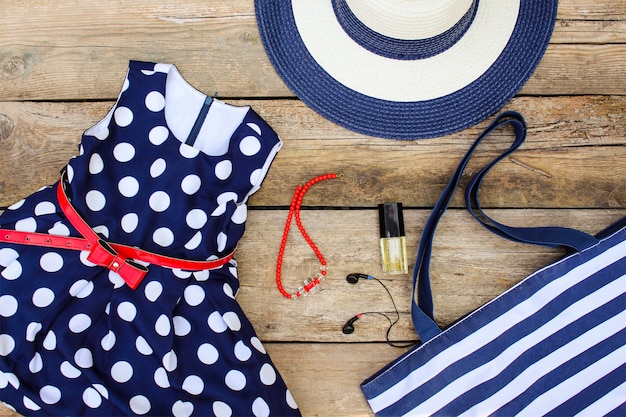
(168, 170)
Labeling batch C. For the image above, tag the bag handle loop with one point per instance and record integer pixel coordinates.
(422, 310)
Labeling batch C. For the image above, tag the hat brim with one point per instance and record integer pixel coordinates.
(452, 96)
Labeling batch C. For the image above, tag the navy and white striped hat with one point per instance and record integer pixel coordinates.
(405, 69)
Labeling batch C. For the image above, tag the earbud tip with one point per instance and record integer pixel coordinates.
(352, 279)
(348, 328)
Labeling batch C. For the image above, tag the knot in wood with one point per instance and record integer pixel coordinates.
(6, 127)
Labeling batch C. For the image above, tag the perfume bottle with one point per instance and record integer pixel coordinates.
(392, 240)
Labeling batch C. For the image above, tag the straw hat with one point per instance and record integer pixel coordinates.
(405, 69)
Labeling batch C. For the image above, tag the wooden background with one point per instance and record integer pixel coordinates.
(62, 64)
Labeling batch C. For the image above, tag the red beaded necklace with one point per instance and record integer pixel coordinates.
(311, 284)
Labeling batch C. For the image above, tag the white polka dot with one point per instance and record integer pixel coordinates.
(79, 323)
(242, 352)
(260, 408)
(222, 239)
(223, 169)
(235, 380)
(121, 372)
(43, 297)
(83, 358)
(81, 289)
(232, 320)
(124, 152)
(140, 405)
(153, 290)
(8, 305)
(102, 230)
(187, 151)
(208, 354)
(240, 215)
(59, 229)
(123, 116)
(17, 205)
(7, 256)
(179, 273)
(228, 290)
(163, 237)
(254, 127)
(92, 398)
(50, 341)
(194, 242)
(194, 295)
(96, 164)
(257, 344)
(217, 323)
(142, 346)
(26, 225)
(249, 146)
(191, 184)
(221, 409)
(51, 262)
(267, 374)
(196, 218)
(32, 330)
(108, 341)
(158, 167)
(7, 344)
(182, 327)
(70, 371)
(163, 326)
(83, 259)
(129, 222)
(30, 404)
(50, 394)
(95, 200)
(158, 135)
(101, 390)
(159, 201)
(127, 311)
(161, 379)
(182, 409)
(13, 271)
(256, 176)
(45, 207)
(155, 101)
(193, 385)
(125, 85)
(233, 269)
(227, 197)
(201, 276)
(36, 363)
(170, 361)
(128, 186)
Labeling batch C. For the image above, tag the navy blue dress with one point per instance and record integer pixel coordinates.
(168, 170)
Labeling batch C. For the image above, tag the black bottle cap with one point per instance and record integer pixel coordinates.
(391, 220)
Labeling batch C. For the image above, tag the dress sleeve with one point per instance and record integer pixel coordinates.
(256, 147)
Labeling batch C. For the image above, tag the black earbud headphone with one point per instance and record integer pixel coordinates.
(348, 328)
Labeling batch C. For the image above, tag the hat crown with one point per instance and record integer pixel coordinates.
(410, 19)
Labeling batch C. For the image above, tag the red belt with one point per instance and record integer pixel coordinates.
(116, 257)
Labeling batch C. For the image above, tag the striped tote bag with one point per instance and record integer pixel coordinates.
(554, 344)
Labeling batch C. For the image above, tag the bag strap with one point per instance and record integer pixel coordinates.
(422, 310)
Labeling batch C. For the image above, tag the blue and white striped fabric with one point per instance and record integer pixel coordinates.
(555, 344)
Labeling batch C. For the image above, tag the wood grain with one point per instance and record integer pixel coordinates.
(573, 156)
(62, 64)
(73, 50)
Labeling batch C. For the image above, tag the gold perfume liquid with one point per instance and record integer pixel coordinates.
(393, 251)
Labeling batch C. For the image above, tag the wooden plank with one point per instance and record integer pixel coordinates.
(470, 266)
(325, 378)
(77, 50)
(574, 156)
